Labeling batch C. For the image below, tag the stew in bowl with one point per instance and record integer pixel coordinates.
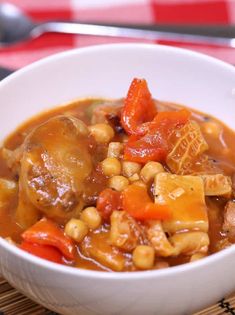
(119, 185)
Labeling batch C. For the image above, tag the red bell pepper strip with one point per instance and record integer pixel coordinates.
(46, 232)
(43, 251)
(154, 145)
(139, 205)
(108, 201)
(138, 107)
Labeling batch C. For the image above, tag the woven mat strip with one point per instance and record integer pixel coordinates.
(14, 303)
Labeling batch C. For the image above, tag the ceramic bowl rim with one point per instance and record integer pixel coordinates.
(206, 262)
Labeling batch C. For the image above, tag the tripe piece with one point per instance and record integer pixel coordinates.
(190, 243)
(188, 144)
(217, 185)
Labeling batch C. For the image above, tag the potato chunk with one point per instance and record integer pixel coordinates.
(188, 144)
(217, 185)
(185, 197)
(125, 232)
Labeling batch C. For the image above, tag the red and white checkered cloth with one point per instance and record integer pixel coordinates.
(136, 11)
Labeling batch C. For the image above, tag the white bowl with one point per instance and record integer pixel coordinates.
(173, 74)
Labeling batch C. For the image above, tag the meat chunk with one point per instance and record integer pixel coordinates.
(8, 190)
(222, 244)
(187, 243)
(159, 240)
(13, 158)
(103, 112)
(233, 183)
(125, 232)
(96, 246)
(26, 213)
(229, 219)
(184, 195)
(53, 167)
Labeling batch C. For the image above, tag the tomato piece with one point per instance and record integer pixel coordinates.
(108, 201)
(46, 232)
(43, 251)
(148, 148)
(154, 145)
(138, 107)
(170, 120)
(139, 205)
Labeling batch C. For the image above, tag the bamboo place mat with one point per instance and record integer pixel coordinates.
(14, 303)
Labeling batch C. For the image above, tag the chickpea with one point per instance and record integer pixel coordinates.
(102, 133)
(130, 168)
(143, 257)
(91, 217)
(149, 171)
(118, 182)
(212, 128)
(111, 166)
(76, 229)
(140, 183)
(115, 149)
(197, 256)
(134, 177)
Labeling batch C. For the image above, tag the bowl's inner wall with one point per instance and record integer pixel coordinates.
(173, 75)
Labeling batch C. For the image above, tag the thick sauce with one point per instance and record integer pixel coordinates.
(221, 151)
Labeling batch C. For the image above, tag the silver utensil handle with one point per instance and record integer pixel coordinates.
(129, 32)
